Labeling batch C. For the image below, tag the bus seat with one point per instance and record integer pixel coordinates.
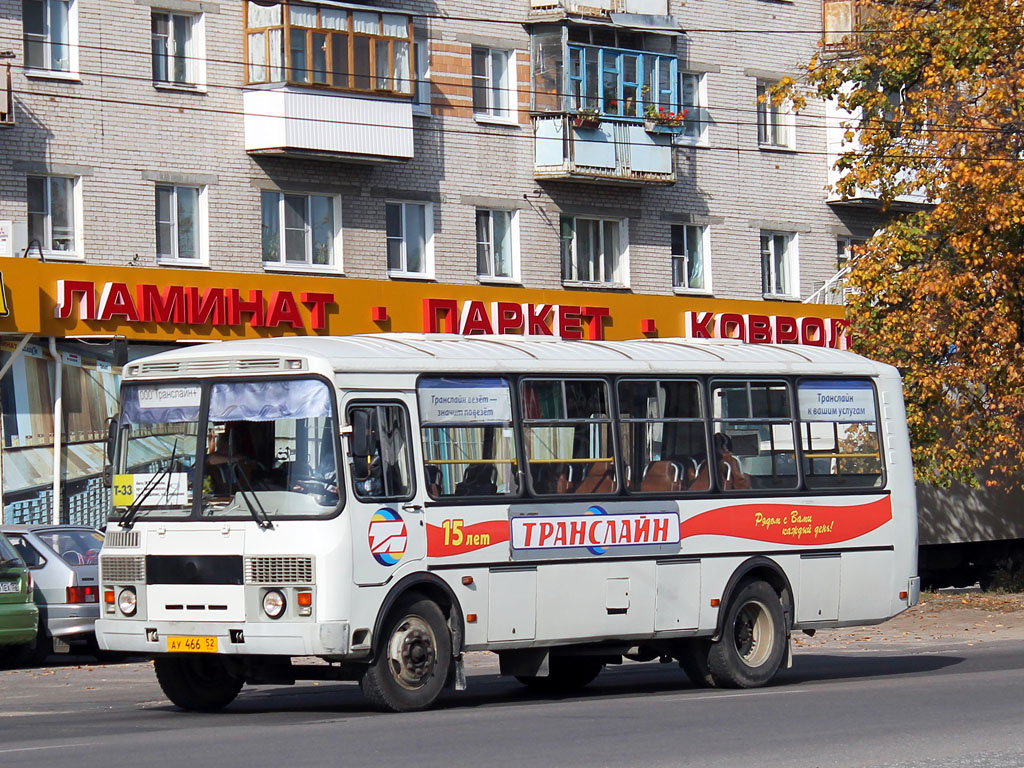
(433, 480)
(663, 475)
(478, 480)
(600, 478)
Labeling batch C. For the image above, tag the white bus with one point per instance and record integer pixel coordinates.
(386, 503)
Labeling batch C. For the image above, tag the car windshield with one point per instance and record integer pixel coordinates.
(76, 547)
(265, 448)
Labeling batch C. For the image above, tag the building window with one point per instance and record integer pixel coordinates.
(409, 239)
(621, 83)
(774, 122)
(52, 215)
(778, 264)
(176, 48)
(692, 98)
(492, 77)
(688, 259)
(593, 251)
(421, 69)
(179, 223)
(496, 247)
(49, 33)
(300, 230)
(344, 48)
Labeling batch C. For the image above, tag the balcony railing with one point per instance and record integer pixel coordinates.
(299, 122)
(575, 148)
(832, 291)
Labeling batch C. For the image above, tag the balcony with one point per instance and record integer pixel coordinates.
(6, 100)
(600, 7)
(613, 152)
(303, 123)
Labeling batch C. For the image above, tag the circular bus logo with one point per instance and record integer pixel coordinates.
(596, 510)
(387, 536)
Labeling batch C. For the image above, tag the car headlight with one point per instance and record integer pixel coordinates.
(128, 601)
(273, 603)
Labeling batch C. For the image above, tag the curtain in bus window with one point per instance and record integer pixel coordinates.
(269, 400)
(160, 403)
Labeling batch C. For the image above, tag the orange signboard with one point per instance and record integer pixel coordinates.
(161, 304)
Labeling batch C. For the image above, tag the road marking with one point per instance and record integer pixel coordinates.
(739, 695)
(37, 749)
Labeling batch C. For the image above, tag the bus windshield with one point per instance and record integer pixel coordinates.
(267, 444)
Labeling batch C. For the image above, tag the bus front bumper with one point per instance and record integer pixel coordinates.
(329, 638)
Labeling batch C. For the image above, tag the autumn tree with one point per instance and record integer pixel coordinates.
(935, 94)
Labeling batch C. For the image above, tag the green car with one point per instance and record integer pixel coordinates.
(19, 616)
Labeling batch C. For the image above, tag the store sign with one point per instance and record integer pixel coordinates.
(769, 329)
(190, 305)
(569, 321)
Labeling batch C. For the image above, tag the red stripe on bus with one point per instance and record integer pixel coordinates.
(470, 538)
(790, 523)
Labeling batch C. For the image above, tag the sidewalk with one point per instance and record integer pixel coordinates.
(944, 618)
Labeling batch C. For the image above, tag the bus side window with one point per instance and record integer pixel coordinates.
(381, 460)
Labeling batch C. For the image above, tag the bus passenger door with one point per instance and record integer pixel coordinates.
(385, 504)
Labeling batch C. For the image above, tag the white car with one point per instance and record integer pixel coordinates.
(64, 563)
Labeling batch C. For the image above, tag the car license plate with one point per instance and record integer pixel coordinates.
(10, 586)
(191, 644)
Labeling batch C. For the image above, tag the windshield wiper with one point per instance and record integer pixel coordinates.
(128, 518)
(259, 514)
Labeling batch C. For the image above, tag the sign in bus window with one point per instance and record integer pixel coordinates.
(839, 434)
(469, 445)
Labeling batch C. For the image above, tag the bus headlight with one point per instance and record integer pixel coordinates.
(273, 603)
(128, 601)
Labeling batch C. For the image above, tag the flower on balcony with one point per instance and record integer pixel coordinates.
(661, 116)
(587, 117)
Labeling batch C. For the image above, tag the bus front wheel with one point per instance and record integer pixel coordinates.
(412, 661)
(201, 682)
(753, 641)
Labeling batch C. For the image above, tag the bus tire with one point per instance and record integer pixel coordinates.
(411, 664)
(566, 674)
(202, 682)
(753, 641)
(693, 658)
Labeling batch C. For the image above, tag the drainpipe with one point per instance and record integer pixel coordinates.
(58, 429)
(3, 437)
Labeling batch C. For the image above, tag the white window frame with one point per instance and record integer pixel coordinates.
(201, 236)
(282, 265)
(195, 62)
(683, 259)
(70, 71)
(620, 269)
(774, 285)
(421, 103)
(776, 125)
(513, 229)
(493, 112)
(428, 240)
(695, 132)
(77, 220)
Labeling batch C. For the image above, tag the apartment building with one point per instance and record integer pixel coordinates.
(184, 171)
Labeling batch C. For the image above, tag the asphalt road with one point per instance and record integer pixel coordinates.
(915, 707)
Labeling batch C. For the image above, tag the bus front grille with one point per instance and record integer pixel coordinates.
(279, 570)
(122, 569)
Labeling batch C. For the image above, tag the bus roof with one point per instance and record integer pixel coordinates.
(449, 353)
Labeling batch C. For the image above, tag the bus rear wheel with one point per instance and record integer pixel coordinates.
(412, 661)
(202, 682)
(753, 641)
(566, 673)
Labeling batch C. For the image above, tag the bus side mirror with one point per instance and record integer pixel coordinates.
(360, 438)
(112, 424)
